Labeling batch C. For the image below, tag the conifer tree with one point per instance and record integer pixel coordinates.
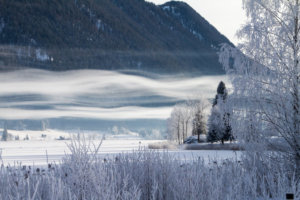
(219, 120)
(4, 134)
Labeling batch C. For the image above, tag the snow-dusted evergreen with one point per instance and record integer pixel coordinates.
(219, 120)
(4, 134)
(265, 74)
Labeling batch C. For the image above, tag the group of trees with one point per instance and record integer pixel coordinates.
(263, 112)
(190, 118)
(187, 119)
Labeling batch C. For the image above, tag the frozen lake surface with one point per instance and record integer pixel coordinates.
(35, 152)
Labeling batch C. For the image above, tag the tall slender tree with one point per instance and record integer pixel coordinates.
(199, 119)
(219, 120)
(4, 134)
(221, 93)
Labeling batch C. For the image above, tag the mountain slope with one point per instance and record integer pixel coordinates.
(107, 34)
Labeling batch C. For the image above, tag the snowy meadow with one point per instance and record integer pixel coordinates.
(142, 174)
(40, 153)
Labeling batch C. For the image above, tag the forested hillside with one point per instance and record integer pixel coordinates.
(107, 34)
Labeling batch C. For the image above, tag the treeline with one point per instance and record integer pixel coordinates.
(192, 118)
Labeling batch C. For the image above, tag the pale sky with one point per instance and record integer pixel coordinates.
(226, 15)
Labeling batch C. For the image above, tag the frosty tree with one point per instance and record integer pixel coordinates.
(176, 124)
(215, 125)
(219, 120)
(266, 77)
(187, 118)
(4, 134)
(221, 93)
(199, 119)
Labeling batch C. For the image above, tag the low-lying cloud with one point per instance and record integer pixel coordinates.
(38, 94)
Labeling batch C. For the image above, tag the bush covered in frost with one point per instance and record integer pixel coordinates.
(143, 174)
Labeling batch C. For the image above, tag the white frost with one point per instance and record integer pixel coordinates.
(198, 35)
(166, 8)
(99, 25)
(41, 55)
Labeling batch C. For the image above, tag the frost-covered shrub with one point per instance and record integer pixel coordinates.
(89, 178)
(144, 174)
(163, 145)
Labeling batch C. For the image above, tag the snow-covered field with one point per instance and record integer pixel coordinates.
(140, 175)
(38, 152)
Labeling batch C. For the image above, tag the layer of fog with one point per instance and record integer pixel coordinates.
(98, 94)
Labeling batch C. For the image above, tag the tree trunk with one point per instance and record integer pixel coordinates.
(182, 132)
(186, 128)
(178, 135)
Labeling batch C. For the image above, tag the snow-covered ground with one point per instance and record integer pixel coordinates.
(45, 135)
(37, 152)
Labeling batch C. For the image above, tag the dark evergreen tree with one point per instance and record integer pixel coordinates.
(219, 121)
(221, 93)
(215, 126)
(227, 132)
(199, 125)
(4, 134)
(212, 136)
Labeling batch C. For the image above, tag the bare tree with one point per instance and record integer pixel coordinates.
(174, 125)
(199, 117)
(179, 123)
(186, 119)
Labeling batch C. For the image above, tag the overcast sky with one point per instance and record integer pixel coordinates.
(226, 15)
